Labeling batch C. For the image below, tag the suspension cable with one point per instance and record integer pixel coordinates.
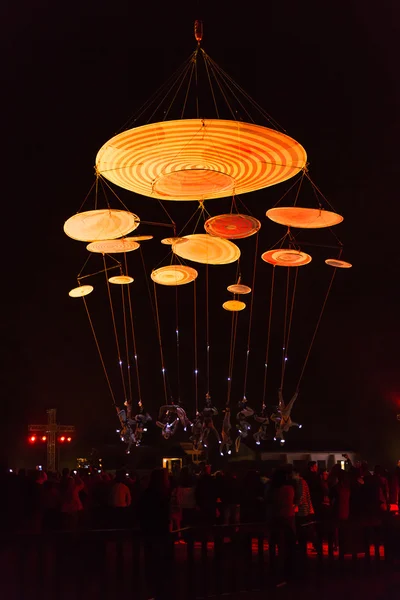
(177, 343)
(246, 367)
(286, 344)
(160, 343)
(133, 337)
(196, 391)
(207, 335)
(285, 325)
(268, 335)
(232, 354)
(128, 363)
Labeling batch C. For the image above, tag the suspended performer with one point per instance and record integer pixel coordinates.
(226, 432)
(243, 425)
(261, 433)
(138, 422)
(197, 430)
(169, 417)
(208, 413)
(282, 418)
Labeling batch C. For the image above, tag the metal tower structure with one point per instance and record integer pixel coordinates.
(51, 429)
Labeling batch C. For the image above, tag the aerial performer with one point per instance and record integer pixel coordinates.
(132, 428)
(282, 418)
(208, 413)
(169, 417)
(197, 430)
(226, 432)
(261, 433)
(244, 426)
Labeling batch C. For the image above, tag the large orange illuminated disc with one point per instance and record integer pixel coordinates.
(286, 258)
(338, 264)
(238, 288)
(304, 218)
(206, 249)
(174, 275)
(232, 226)
(194, 159)
(113, 246)
(234, 305)
(121, 279)
(101, 224)
(82, 290)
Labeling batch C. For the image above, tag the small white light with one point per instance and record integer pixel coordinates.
(10, 470)
(129, 366)
(229, 378)
(195, 371)
(265, 365)
(184, 429)
(118, 430)
(285, 358)
(221, 453)
(258, 443)
(145, 429)
(229, 451)
(283, 441)
(239, 430)
(120, 362)
(163, 370)
(274, 439)
(300, 426)
(135, 356)
(205, 445)
(128, 451)
(219, 442)
(248, 352)
(177, 332)
(248, 427)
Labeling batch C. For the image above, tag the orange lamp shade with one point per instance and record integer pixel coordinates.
(141, 238)
(234, 305)
(238, 288)
(113, 246)
(121, 279)
(232, 226)
(174, 275)
(101, 224)
(303, 218)
(206, 249)
(338, 264)
(286, 258)
(196, 159)
(82, 290)
(173, 240)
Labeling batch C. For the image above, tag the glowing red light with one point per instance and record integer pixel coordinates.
(44, 438)
(69, 439)
(32, 438)
(62, 438)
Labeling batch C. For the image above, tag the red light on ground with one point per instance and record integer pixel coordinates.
(44, 438)
(69, 439)
(62, 438)
(32, 439)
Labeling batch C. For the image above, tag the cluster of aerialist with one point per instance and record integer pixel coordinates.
(172, 415)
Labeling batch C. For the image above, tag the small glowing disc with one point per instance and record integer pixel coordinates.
(304, 218)
(121, 279)
(102, 224)
(173, 240)
(141, 238)
(174, 275)
(82, 290)
(234, 305)
(207, 249)
(232, 226)
(338, 264)
(238, 288)
(286, 258)
(113, 246)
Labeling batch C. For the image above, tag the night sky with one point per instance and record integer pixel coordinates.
(72, 75)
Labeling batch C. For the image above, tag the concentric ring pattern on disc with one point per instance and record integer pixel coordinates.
(194, 159)
(174, 275)
(121, 279)
(338, 264)
(82, 290)
(101, 224)
(173, 240)
(232, 226)
(234, 305)
(206, 249)
(113, 246)
(238, 288)
(303, 218)
(285, 257)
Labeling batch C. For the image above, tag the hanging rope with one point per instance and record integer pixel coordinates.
(268, 335)
(160, 344)
(196, 391)
(285, 326)
(286, 343)
(115, 328)
(232, 354)
(177, 343)
(246, 366)
(316, 329)
(133, 337)
(207, 335)
(99, 351)
(126, 341)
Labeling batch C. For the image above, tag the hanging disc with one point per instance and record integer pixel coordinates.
(82, 290)
(206, 249)
(101, 224)
(113, 246)
(174, 275)
(233, 305)
(285, 257)
(196, 159)
(238, 288)
(304, 218)
(338, 264)
(141, 238)
(232, 226)
(121, 279)
(173, 240)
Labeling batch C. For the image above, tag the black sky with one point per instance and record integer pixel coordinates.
(71, 76)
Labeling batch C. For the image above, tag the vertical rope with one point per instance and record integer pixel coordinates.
(195, 348)
(99, 351)
(246, 367)
(207, 334)
(115, 327)
(285, 326)
(232, 355)
(133, 337)
(290, 324)
(269, 333)
(126, 343)
(178, 370)
(316, 329)
(160, 344)
(196, 81)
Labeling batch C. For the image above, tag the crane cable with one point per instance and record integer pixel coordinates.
(268, 335)
(246, 367)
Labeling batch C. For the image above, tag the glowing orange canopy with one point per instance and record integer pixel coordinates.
(232, 226)
(196, 159)
(206, 249)
(285, 257)
(304, 218)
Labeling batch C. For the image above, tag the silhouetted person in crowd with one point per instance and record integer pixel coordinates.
(206, 497)
(314, 484)
(282, 511)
